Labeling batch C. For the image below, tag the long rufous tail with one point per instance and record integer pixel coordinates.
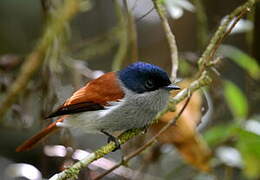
(30, 143)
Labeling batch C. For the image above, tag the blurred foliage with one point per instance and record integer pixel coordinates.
(248, 63)
(183, 134)
(236, 100)
(106, 34)
(235, 134)
(248, 144)
(218, 134)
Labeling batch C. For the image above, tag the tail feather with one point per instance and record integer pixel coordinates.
(30, 143)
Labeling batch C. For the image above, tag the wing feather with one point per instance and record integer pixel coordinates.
(93, 96)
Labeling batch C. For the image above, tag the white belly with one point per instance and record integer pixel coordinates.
(134, 111)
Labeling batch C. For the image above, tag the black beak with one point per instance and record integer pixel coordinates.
(171, 87)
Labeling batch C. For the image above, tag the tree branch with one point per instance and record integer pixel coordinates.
(148, 143)
(74, 169)
(222, 31)
(123, 38)
(36, 58)
(170, 37)
(203, 80)
(201, 24)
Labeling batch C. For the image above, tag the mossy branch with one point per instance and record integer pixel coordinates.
(34, 60)
(223, 30)
(203, 80)
(148, 143)
(73, 171)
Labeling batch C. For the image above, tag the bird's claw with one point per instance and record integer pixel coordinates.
(115, 140)
(112, 138)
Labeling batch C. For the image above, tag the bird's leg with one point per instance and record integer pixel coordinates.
(145, 129)
(113, 139)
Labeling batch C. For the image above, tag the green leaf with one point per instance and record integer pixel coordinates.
(218, 134)
(242, 59)
(236, 100)
(249, 147)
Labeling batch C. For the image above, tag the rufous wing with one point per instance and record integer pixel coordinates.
(93, 96)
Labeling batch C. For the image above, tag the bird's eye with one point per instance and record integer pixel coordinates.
(149, 84)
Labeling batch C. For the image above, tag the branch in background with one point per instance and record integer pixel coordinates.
(97, 46)
(144, 15)
(73, 171)
(36, 58)
(132, 49)
(148, 143)
(170, 37)
(203, 80)
(222, 31)
(123, 38)
(201, 24)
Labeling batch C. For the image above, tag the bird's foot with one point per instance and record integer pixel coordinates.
(113, 139)
(145, 129)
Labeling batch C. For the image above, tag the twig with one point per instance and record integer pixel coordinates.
(74, 169)
(127, 50)
(222, 31)
(203, 80)
(147, 144)
(123, 38)
(36, 58)
(134, 5)
(132, 47)
(201, 24)
(97, 46)
(145, 14)
(239, 16)
(170, 37)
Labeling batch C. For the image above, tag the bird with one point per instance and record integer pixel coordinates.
(116, 101)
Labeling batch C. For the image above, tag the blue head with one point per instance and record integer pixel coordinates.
(142, 77)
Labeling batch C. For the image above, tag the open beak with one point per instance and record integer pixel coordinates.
(171, 87)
